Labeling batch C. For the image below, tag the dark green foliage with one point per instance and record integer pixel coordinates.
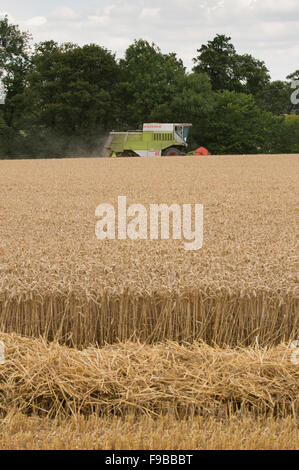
(294, 76)
(71, 95)
(275, 97)
(237, 126)
(193, 104)
(229, 70)
(290, 134)
(150, 79)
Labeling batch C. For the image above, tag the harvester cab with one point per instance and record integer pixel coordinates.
(181, 132)
(154, 140)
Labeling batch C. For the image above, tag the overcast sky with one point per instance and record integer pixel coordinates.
(267, 29)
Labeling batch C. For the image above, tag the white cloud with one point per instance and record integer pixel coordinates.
(278, 5)
(266, 29)
(109, 9)
(274, 28)
(36, 21)
(103, 20)
(63, 13)
(149, 13)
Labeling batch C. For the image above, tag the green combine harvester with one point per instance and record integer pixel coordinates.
(155, 140)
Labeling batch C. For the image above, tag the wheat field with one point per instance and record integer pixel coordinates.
(114, 343)
(59, 282)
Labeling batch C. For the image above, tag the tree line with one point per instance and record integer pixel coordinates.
(63, 99)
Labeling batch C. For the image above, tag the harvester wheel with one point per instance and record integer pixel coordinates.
(172, 152)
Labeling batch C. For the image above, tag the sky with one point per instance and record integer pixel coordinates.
(267, 29)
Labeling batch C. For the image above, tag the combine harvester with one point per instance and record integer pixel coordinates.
(155, 140)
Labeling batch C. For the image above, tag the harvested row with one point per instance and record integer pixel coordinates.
(182, 381)
(19, 432)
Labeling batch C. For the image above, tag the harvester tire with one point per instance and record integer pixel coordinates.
(172, 152)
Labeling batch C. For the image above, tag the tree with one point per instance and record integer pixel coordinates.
(193, 102)
(14, 62)
(275, 98)
(293, 76)
(229, 70)
(290, 134)
(252, 74)
(14, 56)
(238, 126)
(71, 93)
(217, 59)
(294, 79)
(149, 79)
